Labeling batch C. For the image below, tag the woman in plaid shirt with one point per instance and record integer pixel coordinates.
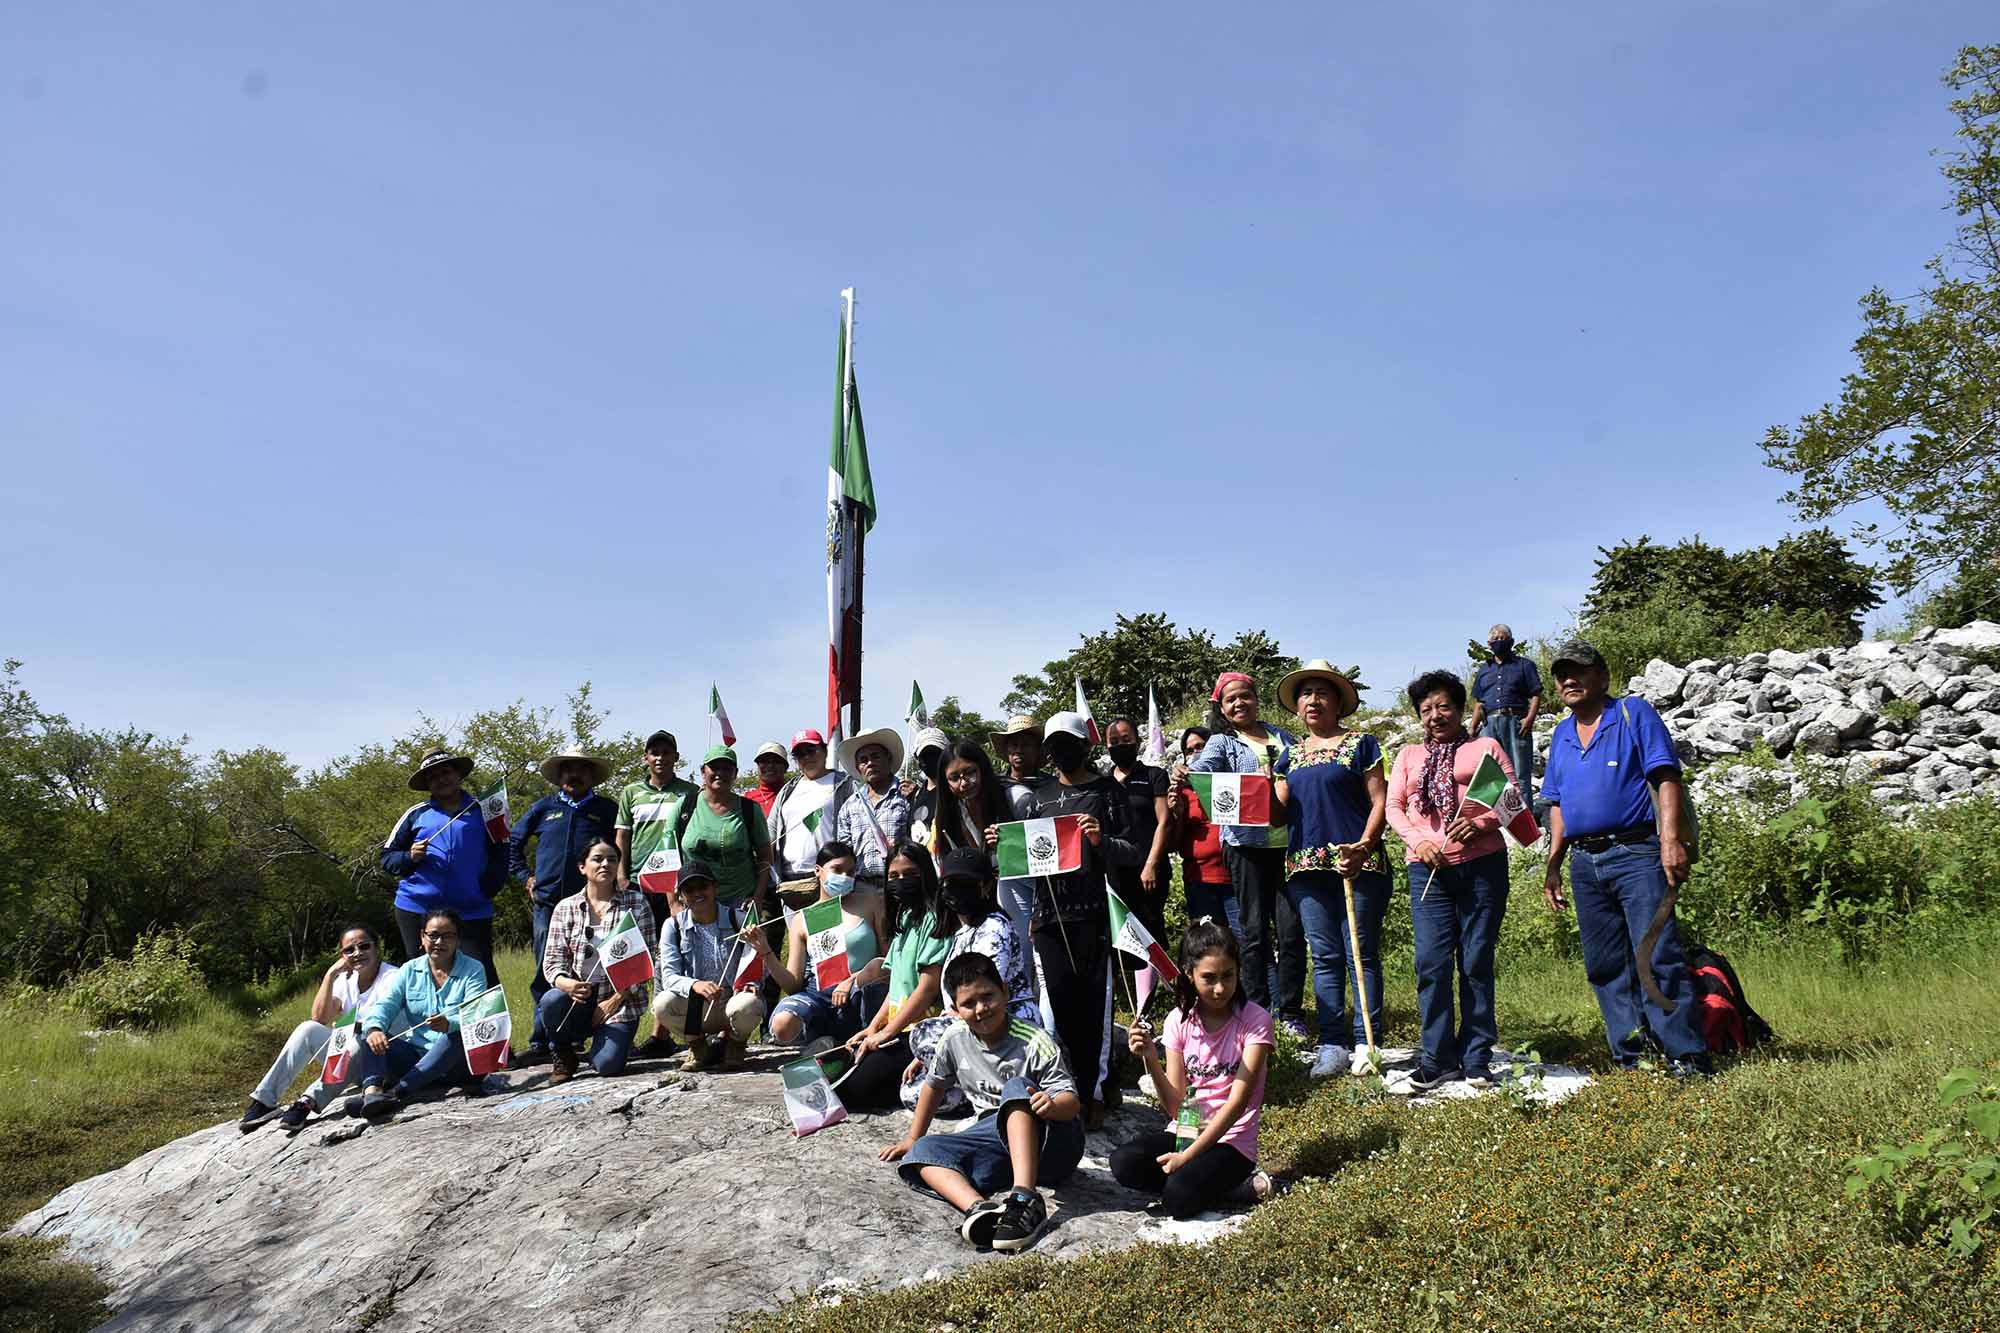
(582, 1004)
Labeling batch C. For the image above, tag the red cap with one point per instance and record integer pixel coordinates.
(807, 737)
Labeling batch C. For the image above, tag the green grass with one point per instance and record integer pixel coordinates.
(1639, 1203)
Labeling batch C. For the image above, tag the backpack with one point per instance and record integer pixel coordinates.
(1728, 1023)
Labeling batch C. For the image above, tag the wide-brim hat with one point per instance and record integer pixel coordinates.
(882, 736)
(419, 780)
(1018, 725)
(1321, 669)
(552, 766)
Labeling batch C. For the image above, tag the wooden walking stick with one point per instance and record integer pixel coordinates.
(1360, 977)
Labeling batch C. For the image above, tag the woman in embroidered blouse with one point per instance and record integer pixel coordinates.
(1458, 882)
(1332, 780)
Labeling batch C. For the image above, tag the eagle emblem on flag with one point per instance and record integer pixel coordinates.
(620, 947)
(1042, 848)
(485, 1031)
(836, 533)
(1225, 805)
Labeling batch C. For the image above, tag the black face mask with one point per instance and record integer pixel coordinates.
(1124, 755)
(907, 894)
(967, 900)
(1065, 752)
(932, 764)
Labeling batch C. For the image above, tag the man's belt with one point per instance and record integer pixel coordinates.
(1598, 842)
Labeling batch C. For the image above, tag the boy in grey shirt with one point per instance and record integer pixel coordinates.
(1027, 1133)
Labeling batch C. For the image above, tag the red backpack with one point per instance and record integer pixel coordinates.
(1728, 1023)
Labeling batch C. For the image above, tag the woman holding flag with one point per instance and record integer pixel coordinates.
(598, 959)
(1458, 881)
(1332, 782)
(832, 975)
(915, 959)
(412, 1028)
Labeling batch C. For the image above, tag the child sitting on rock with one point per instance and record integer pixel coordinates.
(1027, 1133)
(698, 951)
(1218, 1047)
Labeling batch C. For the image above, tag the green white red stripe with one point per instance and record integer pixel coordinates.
(1083, 707)
(1491, 789)
(493, 810)
(809, 1098)
(1130, 935)
(340, 1050)
(627, 960)
(850, 513)
(487, 1030)
(826, 943)
(661, 871)
(1040, 847)
(720, 716)
(1243, 799)
(748, 968)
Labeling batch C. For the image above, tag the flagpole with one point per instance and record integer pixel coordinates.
(855, 531)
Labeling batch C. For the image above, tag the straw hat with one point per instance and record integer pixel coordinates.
(882, 736)
(1318, 669)
(552, 766)
(421, 779)
(1018, 724)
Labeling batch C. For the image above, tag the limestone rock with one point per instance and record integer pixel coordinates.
(1979, 636)
(1662, 683)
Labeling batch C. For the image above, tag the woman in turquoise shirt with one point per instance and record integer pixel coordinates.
(810, 1011)
(421, 1007)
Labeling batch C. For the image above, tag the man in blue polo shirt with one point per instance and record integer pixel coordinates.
(562, 825)
(1506, 695)
(1604, 760)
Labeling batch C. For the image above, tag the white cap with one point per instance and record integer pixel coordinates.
(1068, 724)
(930, 738)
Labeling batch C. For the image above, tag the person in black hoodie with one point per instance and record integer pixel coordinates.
(1071, 920)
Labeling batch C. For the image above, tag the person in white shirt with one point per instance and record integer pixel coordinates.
(350, 984)
(796, 842)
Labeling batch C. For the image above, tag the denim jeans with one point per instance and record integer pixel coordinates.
(569, 1023)
(540, 985)
(1211, 900)
(1617, 891)
(410, 1065)
(1506, 728)
(1321, 902)
(1274, 946)
(1455, 914)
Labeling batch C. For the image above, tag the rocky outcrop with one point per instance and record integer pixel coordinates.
(1918, 721)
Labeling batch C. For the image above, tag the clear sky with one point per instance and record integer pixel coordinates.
(362, 359)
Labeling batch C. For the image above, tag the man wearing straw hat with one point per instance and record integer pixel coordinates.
(871, 815)
(562, 824)
(441, 856)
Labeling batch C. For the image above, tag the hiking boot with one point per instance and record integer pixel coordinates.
(734, 1052)
(534, 1055)
(697, 1054)
(1024, 1220)
(1331, 1060)
(255, 1114)
(659, 1046)
(977, 1226)
(294, 1118)
(380, 1105)
(1424, 1078)
(566, 1060)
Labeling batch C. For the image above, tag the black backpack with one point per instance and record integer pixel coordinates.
(1728, 1023)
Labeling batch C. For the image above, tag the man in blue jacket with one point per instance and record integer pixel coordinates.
(562, 825)
(442, 856)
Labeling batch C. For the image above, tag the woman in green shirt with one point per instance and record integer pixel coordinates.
(916, 963)
(727, 831)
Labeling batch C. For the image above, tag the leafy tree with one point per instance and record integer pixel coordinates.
(1973, 593)
(961, 723)
(1117, 665)
(1917, 424)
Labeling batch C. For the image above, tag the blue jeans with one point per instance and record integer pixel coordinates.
(1211, 900)
(819, 1017)
(539, 987)
(1455, 914)
(980, 1153)
(411, 1066)
(568, 1023)
(1617, 891)
(1321, 902)
(1506, 728)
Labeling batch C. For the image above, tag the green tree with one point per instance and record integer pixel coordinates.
(962, 723)
(1917, 424)
(1972, 593)
(1118, 664)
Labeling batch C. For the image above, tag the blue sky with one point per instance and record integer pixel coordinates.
(360, 360)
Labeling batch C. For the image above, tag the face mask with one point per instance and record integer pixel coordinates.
(932, 763)
(967, 900)
(1500, 646)
(907, 893)
(1065, 752)
(1124, 755)
(838, 886)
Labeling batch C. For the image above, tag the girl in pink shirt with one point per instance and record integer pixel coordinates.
(1218, 1045)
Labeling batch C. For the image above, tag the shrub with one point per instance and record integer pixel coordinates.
(159, 981)
(1945, 1187)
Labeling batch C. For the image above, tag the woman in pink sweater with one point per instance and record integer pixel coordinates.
(1458, 883)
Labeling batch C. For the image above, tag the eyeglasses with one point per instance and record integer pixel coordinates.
(440, 936)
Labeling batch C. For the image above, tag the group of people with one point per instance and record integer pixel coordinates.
(955, 991)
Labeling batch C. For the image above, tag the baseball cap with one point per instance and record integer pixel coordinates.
(807, 737)
(964, 863)
(772, 748)
(715, 753)
(1579, 652)
(1068, 724)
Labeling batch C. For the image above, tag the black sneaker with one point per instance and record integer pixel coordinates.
(1022, 1223)
(294, 1118)
(1425, 1078)
(659, 1046)
(351, 1106)
(380, 1105)
(255, 1114)
(976, 1228)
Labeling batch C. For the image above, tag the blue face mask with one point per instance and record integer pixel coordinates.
(837, 886)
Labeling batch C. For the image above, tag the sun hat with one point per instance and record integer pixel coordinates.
(552, 766)
(419, 780)
(1017, 725)
(1318, 669)
(882, 736)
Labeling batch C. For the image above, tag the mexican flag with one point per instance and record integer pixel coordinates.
(340, 1050)
(826, 944)
(809, 1098)
(1156, 735)
(493, 809)
(487, 1029)
(627, 960)
(914, 721)
(1243, 799)
(1490, 789)
(720, 715)
(1083, 707)
(747, 968)
(661, 871)
(1129, 934)
(1041, 847)
(850, 513)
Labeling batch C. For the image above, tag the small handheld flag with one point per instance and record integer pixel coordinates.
(809, 1098)
(1490, 789)
(746, 968)
(1129, 935)
(1040, 847)
(627, 960)
(340, 1050)
(1242, 799)
(487, 1030)
(720, 716)
(914, 721)
(661, 871)
(1083, 707)
(493, 809)
(826, 944)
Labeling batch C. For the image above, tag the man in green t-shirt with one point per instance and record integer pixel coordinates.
(646, 814)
